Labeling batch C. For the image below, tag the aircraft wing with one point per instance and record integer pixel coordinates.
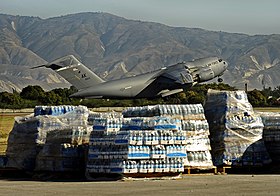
(170, 80)
(178, 74)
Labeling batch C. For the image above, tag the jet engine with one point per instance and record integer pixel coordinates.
(205, 75)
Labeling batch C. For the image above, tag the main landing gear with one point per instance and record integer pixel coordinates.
(220, 80)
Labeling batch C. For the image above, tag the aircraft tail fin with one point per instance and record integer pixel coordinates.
(74, 72)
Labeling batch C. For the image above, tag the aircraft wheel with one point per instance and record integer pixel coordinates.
(220, 80)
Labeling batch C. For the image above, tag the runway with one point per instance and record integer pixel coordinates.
(187, 185)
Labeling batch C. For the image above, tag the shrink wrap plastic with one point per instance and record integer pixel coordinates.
(235, 129)
(132, 149)
(53, 110)
(93, 116)
(61, 157)
(271, 134)
(29, 134)
(161, 138)
(184, 111)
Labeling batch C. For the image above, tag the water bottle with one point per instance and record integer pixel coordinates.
(159, 164)
(168, 150)
(131, 151)
(176, 164)
(191, 157)
(150, 136)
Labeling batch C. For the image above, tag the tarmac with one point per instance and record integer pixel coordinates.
(187, 185)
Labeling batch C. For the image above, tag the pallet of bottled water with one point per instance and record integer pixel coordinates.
(60, 157)
(235, 129)
(159, 139)
(143, 145)
(53, 110)
(30, 132)
(180, 111)
(134, 167)
(271, 134)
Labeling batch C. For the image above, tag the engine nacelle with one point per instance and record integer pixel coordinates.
(205, 75)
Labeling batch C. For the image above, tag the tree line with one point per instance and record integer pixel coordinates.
(31, 96)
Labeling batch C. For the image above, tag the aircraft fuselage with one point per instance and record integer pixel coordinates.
(163, 82)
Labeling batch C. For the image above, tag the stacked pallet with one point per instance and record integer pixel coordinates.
(271, 134)
(235, 130)
(193, 124)
(29, 134)
(64, 150)
(139, 146)
(198, 144)
(23, 147)
(150, 139)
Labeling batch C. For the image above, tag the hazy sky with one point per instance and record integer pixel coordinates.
(240, 16)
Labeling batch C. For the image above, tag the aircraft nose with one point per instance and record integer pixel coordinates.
(220, 68)
(222, 64)
(225, 65)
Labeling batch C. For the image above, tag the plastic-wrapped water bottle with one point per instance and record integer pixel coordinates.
(161, 164)
(190, 156)
(164, 110)
(131, 151)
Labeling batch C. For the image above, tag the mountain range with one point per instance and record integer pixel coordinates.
(115, 47)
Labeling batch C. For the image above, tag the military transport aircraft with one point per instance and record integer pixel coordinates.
(160, 83)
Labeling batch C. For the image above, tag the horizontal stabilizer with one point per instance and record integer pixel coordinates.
(38, 66)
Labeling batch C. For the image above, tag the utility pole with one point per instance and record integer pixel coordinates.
(246, 87)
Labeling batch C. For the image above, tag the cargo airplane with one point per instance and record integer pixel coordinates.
(159, 83)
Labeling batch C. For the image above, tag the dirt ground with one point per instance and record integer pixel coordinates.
(188, 185)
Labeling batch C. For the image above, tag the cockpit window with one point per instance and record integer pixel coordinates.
(220, 60)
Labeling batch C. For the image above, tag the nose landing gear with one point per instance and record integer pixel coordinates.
(220, 80)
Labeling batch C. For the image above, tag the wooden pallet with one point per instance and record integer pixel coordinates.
(152, 175)
(223, 169)
(200, 170)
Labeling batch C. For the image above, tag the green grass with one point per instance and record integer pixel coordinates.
(267, 109)
(6, 125)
